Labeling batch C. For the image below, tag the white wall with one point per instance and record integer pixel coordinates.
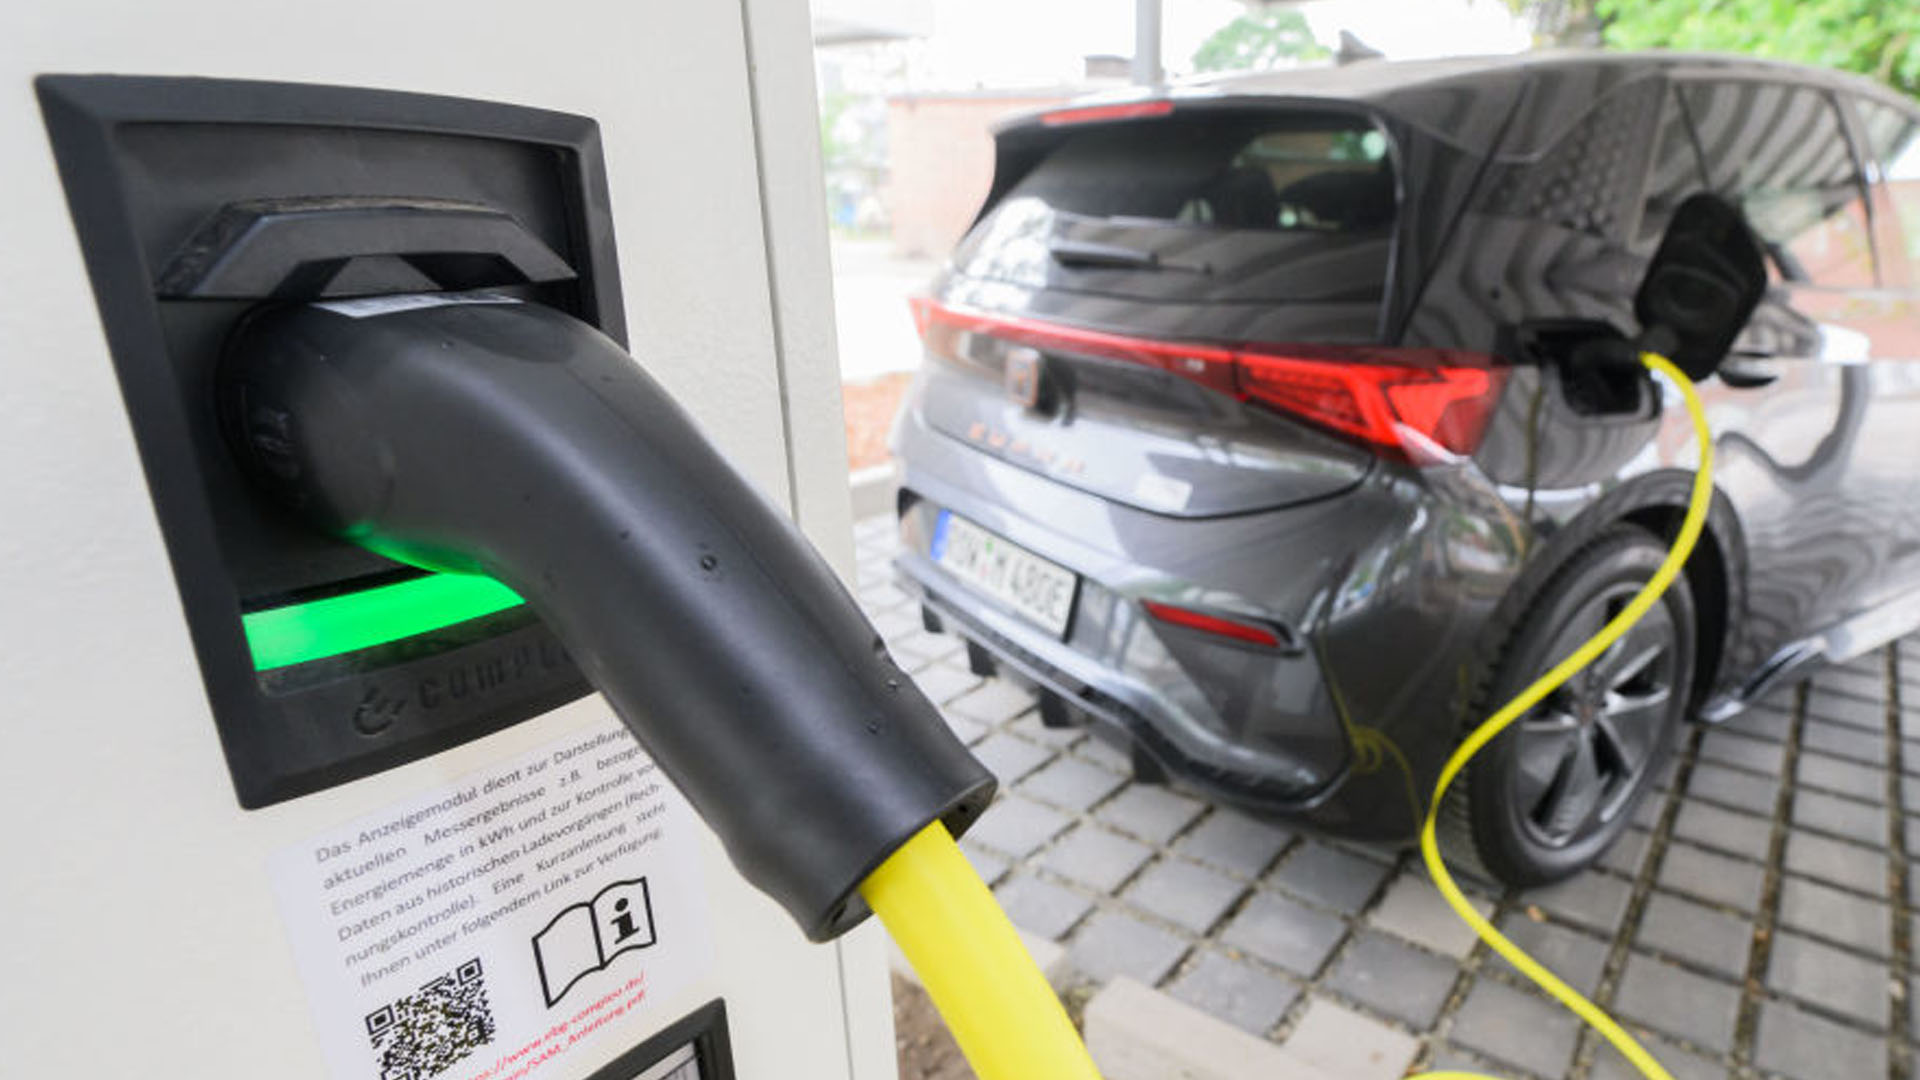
(141, 935)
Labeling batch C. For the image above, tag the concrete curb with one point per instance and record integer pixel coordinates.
(873, 491)
(1136, 1033)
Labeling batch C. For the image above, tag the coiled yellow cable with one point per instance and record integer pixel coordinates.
(1008, 1021)
(1587, 653)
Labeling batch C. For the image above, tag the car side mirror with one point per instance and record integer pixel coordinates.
(1703, 284)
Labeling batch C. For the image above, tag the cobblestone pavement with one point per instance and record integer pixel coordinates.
(1756, 922)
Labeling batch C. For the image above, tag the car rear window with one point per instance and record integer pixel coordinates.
(1311, 174)
(1231, 207)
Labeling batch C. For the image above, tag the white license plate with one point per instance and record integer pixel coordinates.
(1040, 590)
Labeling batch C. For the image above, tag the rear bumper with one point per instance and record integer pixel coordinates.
(1384, 592)
(1125, 710)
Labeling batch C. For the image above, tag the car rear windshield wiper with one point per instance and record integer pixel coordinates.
(1116, 257)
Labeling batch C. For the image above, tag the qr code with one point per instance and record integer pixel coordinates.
(431, 1030)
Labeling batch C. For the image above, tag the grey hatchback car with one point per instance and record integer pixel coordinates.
(1260, 427)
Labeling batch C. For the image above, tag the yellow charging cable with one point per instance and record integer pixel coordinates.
(1008, 1021)
(1642, 602)
(1005, 1017)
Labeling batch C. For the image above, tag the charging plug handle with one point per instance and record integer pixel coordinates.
(512, 440)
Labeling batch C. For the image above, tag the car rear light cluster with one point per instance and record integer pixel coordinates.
(1405, 402)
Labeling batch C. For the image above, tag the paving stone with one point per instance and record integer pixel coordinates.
(1576, 957)
(919, 651)
(1448, 1058)
(1028, 726)
(1850, 698)
(883, 597)
(1709, 876)
(1846, 818)
(1732, 748)
(1836, 915)
(1189, 896)
(1071, 784)
(1650, 806)
(1235, 843)
(1017, 826)
(1413, 909)
(1395, 979)
(1096, 858)
(1517, 1028)
(994, 702)
(1798, 1044)
(1349, 1045)
(1842, 777)
(1010, 757)
(1236, 992)
(1153, 814)
(1730, 787)
(1829, 978)
(944, 682)
(1678, 1002)
(1724, 830)
(1683, 1064)
(989, 866)
(1284, 932)
(1697, 933)
(1113, 943)
(1105, 754)
(967, 731)
(1626, 854)
(1329, 876)
(1763, 722)
(1595, 901)
(1041, 907)
(892, 625)
(1844, 742)
(1910, 791)
(1837, 862)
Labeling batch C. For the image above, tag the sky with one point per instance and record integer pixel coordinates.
(1010, 43)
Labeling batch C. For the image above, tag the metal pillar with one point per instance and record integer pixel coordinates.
(1146, 43)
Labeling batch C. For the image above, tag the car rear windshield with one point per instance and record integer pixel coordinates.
(1296, 206)
(1314, 174)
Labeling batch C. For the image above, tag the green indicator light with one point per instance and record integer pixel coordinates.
(301, 632)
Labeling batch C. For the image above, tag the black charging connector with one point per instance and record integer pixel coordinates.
(485, 435)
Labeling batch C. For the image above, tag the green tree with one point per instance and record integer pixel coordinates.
(1258, 40)
(1880, 38)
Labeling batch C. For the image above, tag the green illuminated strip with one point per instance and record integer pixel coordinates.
(301, 632)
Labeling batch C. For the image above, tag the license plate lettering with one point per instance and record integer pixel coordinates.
(1035, 588)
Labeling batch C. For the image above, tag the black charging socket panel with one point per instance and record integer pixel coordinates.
(198, 201)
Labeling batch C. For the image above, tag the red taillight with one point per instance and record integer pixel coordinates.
(1446, 405)
(1087, 114)
(1373, 393)
(1250, 633)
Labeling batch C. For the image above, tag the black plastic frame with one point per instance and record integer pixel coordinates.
(296, 730)
(705, 1028)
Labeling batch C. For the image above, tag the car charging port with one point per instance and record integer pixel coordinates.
(1599, 368)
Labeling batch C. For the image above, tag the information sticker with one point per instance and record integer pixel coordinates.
(483, 930)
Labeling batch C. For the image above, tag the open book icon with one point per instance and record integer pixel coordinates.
(585, 937)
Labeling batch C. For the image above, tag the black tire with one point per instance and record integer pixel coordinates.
(1558, 787)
